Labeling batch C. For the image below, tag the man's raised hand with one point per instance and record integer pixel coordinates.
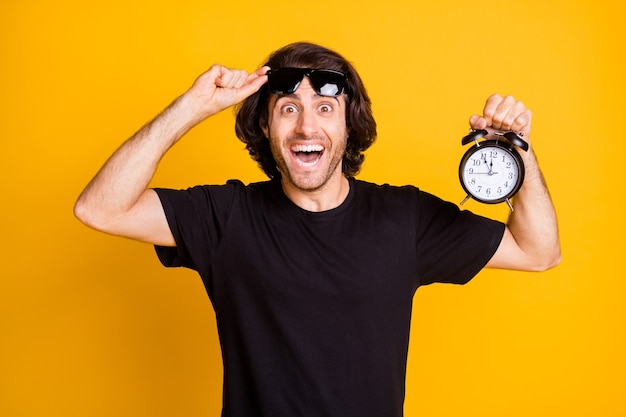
(221, 87)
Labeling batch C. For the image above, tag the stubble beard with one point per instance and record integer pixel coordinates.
(309, 181)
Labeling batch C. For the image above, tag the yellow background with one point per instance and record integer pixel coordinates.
(92, 325)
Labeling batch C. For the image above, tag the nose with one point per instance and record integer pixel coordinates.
(307, 124)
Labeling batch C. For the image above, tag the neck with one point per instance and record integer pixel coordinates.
(328, 197)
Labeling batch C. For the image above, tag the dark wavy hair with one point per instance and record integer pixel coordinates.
(253, 112)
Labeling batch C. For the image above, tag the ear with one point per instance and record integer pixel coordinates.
(264, 123)
(265, 128)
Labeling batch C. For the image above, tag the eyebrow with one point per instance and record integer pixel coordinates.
(296, 96)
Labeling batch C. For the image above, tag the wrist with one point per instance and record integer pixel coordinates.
(533, 172)
(192, 109)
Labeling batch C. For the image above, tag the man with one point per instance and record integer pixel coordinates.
(311, 273)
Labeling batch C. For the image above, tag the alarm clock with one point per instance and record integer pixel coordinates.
(492, 171)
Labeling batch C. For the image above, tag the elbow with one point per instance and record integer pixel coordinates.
(556, 261)
(82, 212)
(548, 261)
(87, 214)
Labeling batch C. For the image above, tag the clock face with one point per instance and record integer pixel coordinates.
(491, 173)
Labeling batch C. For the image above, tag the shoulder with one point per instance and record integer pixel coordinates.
(410, 202)
(197, 200)
(396, 193)
(383, 189)
(230, 188)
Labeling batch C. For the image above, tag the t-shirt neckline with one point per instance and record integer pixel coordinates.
(321, 215)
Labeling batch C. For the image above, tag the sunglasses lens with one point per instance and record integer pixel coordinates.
(325, 82)
(285, 80)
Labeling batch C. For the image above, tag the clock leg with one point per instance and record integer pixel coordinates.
(508, 202)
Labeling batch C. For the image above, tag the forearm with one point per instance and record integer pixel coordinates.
(127, 173)
(117, 200)
(533, 224)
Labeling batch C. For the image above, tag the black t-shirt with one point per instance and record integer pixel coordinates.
(313, 309)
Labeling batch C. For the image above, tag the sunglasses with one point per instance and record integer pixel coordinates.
(325, 82)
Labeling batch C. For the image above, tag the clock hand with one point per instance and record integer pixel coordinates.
(489, 164)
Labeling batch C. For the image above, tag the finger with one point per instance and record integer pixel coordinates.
(522, 122)
(478, 122)
(506, 113)
(491, 105)
(510, 113)
(209, 76)
(231, 78)
(503, 112)
(253, 83)
(240, 78)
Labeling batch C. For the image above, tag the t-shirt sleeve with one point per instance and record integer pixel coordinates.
(196, 217)
(453, 244)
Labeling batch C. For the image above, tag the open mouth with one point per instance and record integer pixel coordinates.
(307, 155)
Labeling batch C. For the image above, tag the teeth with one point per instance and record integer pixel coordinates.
(307, 148)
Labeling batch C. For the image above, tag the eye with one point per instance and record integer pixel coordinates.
(325, 108)
(288, 108)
